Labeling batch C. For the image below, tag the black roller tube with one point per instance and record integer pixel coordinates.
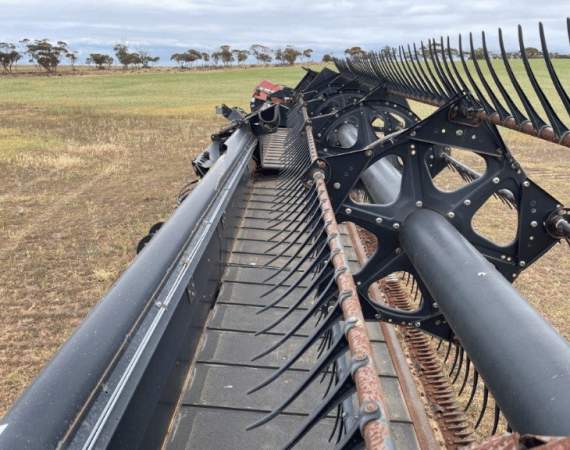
(523, 360)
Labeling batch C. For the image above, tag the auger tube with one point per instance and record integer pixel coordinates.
(504, 335)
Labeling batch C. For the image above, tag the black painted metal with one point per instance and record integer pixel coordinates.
(134, 336)
(522, 359)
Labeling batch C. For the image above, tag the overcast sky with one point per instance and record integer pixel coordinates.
(324, 25)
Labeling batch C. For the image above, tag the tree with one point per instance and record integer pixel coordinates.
(265, 58)
(307, 53)
(226, 54)
(8, 56)
(45, 54)
(205, 58)
(216, 57)
(290, 54)
(327, 58)
(179, 59)
(125, 57)
(532, 52)
(145, 59)
(355, 52)
(240, 55)
(72, 58)
(100, 60)
(261, 53)
(279, 55)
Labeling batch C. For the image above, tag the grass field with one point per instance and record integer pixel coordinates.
(88, 163)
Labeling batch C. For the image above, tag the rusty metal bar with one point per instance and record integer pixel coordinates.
(371, 398)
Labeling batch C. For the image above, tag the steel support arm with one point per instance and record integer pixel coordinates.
(523, 360)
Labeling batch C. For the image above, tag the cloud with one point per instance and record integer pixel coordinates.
(325, 25)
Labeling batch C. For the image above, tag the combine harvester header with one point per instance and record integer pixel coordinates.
(317, 289)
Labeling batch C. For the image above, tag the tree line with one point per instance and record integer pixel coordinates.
(49, 55)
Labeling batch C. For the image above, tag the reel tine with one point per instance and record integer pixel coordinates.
(438, 69)
(344, 388)
(452, 79)
(555, 122)
(300, 206)
(476, 89)
(483, 407)
(317, 255)
(467, 368)
(311, 223)
(337, 422)
(442, 92)
(331, 280)
(322, 249)
(413, 69)
(553, 76)
(461, 354)
(288, 291)
(432, 85)
(402, 74)
(278, 219)
(454, 67)
(497, 106)
(455, 359)
(515, 112)
(473, 388)
(439, 344)
(308, 211)
(337, 349)
(334, 317)
(535, 119)
(411, 74)
(293, 329)
(448, 351)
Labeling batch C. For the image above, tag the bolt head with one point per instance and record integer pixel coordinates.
(459, 132)
(451, 214)
(336, 185)
(379, 220)
(526, 183)
(413, 152)
(467, 202)
(371, 407)
(522, 263)
(417, 324)
(534, 224)
(496, 180)
(368, 153)
(396, 226)
(348, 211)
(419, 204)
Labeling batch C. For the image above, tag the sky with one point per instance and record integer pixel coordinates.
(326, 26)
